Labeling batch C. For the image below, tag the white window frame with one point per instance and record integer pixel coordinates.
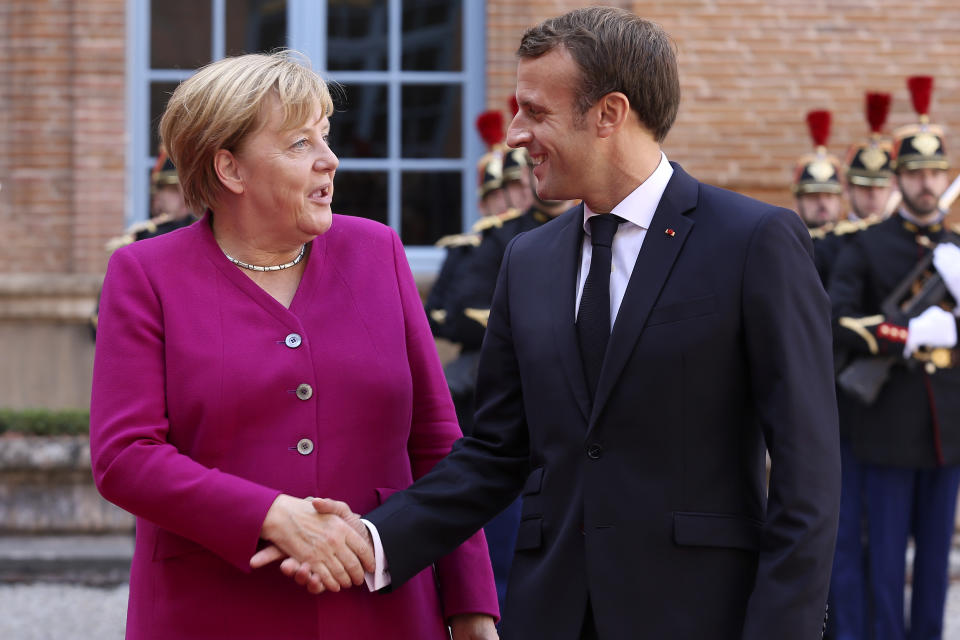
(306, 32)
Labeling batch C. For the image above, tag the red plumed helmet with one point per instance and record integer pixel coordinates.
(921, 88)
(490, 126)
(819, 123)
(878, 107)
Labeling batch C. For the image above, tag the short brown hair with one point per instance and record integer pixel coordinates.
(615, 51)
(220, 104)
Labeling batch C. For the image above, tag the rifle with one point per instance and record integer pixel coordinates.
(920, 289)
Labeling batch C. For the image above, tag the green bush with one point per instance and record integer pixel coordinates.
(45, 422)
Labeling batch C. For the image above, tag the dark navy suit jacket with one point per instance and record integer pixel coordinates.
(652, 501)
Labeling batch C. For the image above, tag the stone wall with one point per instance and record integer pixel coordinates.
(46, 487)
(45, 340)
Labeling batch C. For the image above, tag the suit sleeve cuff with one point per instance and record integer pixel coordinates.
(380, 577)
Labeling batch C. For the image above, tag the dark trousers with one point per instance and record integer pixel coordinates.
(848, 600)
(901, 502)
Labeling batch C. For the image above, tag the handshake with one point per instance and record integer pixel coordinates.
(322, 543)
(324, 546)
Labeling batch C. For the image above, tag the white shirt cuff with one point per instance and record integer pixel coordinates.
(380, 578)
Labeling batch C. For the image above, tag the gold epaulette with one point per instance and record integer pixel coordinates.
(510, 214)
(488, 222)
(478, 315)
(497, 221)
(845, 227)
(819, 233)
(458, 240)
(116, 242)
(130, 234)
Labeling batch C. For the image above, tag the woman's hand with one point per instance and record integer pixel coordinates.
(473, 626)
(327, 551)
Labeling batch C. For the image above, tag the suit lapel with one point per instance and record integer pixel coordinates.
(668, 231)
(565, 252)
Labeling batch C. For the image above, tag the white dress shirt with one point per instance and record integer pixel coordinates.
(637, 209)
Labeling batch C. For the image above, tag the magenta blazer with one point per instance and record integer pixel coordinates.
(210, 399)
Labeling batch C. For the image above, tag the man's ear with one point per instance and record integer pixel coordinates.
(613, 111)
(225, 164)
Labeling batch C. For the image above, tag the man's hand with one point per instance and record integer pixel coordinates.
(935, 327)
(301, 572)
(325, 551)
(473, 626)
(946, 259)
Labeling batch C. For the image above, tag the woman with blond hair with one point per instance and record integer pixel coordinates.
(270, 352)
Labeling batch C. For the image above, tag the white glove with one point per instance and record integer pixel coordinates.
(935, 327)
(946, 258)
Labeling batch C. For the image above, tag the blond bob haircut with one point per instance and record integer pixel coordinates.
(220, 105)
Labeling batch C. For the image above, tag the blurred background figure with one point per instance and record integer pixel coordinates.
(816, 182)
(168, 208)
(870, 188)
(868, 184)
(492, 197)
(168, 211)
(473, 294)
(491, 200)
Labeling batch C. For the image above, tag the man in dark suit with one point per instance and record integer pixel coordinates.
(640, 462)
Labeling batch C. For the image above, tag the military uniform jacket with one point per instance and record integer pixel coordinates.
(477, 278)
(915, 421)
(827, 246)
(459, 249)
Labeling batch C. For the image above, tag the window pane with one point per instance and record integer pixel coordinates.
(432, 37)
(255, 25)
(430, 206)
(362, 194)
(160, 93)
(357, 35)
(431, 121)
(179, 34)
(358, 126)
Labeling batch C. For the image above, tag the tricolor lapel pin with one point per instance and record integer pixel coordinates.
(670, 232)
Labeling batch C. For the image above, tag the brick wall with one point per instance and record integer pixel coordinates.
(62, 146)
(751, 69)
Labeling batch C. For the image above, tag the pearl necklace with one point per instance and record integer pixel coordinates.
(276, 267)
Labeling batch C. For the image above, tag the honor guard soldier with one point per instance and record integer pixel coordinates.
(490, 192)
(491, 200)
(168, 208)
(476, 282)
(168, 212)
(869, 187)
(894, 289)
(868, 170)
(816, 178)
(868, 174)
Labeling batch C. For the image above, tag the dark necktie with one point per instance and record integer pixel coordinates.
(593, 318)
